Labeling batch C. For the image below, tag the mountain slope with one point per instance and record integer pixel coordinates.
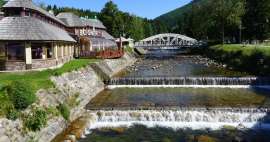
(171, 18)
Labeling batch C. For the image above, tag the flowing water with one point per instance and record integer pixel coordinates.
(169, 97)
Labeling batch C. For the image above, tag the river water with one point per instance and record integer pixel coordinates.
(203, 108)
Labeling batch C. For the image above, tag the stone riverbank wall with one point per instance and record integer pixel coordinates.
(82, 85)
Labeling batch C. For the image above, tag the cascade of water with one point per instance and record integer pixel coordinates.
(200, 118)
(190, 81)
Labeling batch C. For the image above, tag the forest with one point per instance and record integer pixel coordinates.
(230, 21)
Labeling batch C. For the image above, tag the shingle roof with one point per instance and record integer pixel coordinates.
(73, 20)
(98, 41)
(70, 19)
(107, 35)
(30, 5)
(30, 28)
(93, 23)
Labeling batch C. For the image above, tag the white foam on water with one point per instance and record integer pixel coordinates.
(180, 119)
(186, 86)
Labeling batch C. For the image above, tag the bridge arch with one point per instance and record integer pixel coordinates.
(167, 40)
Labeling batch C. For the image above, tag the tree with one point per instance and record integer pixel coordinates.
(137, 31)
(256, 20)
(2, 2)
(212, 19)
(148, 28)
(111, 18)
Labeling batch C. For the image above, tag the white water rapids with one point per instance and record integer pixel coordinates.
(179, 119)
(189, 82)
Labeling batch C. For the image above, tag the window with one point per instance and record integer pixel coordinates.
(37, 51)
(49, 52)
(2, 51)
(13, 12)
(16, 51)
(27, 13)
(41, 51)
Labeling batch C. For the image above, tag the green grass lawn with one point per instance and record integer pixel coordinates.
(39, 79)
(245, 49)
(253, 59)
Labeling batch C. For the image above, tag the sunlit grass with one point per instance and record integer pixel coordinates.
(245, 49)
(41, 79)
(37, 79)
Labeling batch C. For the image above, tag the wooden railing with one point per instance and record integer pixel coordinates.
(105, 54)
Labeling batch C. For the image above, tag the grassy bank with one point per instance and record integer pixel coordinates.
(37, 79)
(41, 79)
(254, 59)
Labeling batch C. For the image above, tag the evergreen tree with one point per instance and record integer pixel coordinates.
(212, 19)
(111, 18)
(2, 2)
(256, 19)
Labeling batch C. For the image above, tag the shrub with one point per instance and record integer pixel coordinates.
(11, 113)
(52, 111)
(64, 110)
(35, 120)
(21, 94)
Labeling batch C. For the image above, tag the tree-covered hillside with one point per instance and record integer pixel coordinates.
(171, 18)
(221, 20)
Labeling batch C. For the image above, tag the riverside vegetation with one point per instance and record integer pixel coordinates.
(17, 93)
(254, 59)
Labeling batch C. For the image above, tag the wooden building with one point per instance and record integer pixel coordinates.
(92, 37)
(32, 38)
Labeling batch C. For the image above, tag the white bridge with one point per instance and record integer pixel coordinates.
(167, 41)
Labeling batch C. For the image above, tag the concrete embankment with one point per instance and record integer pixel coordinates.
(108, 68)
(81, 85)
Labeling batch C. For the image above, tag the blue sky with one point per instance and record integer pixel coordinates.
(143, 8)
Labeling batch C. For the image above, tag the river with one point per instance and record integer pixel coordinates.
(172, 97)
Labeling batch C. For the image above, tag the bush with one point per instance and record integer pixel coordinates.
(64, 110)
(21, 94)
(35, 120)
(52, 112)
(12, 114)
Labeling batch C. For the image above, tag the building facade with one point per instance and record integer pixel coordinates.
(32, 38)
(92, 37)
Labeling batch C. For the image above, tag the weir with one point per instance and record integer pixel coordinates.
(183, 118)
(146, 96)
(189, 81)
